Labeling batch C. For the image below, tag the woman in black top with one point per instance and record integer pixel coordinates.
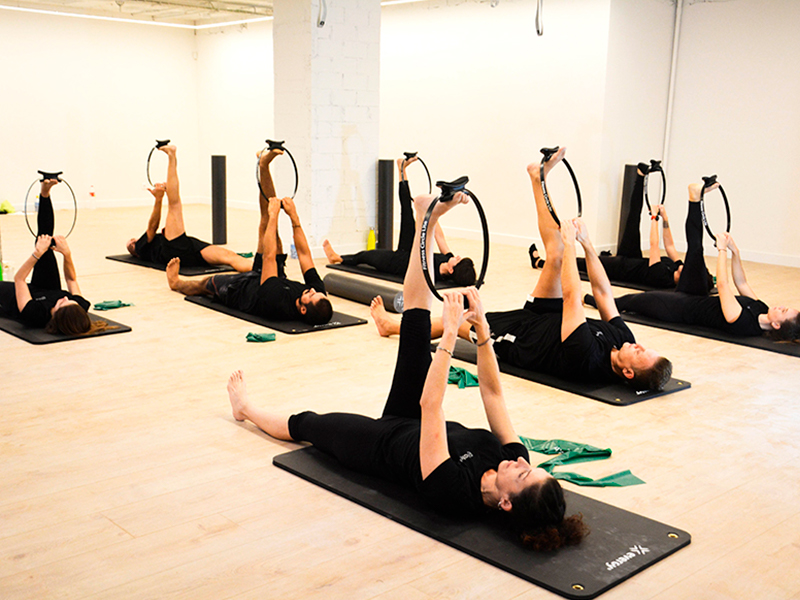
(459, 471)
(742, 315)
(43, 304)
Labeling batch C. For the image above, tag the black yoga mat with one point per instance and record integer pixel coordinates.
(35, 335)
(626, 284)
(338, 319)
(761, 342)
(187, 271)
(617, 394)
(368, 271)
(620, 544)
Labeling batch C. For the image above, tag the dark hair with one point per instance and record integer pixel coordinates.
(654, 378)
(71, 319)
(538, 511)
(789, 331)
(464, 272)
(319, 313)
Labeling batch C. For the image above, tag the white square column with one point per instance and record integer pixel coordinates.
(327, 83)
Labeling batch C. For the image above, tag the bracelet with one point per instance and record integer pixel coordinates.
(450, 352)
(296, 226)
(33, 254)
(484, 342)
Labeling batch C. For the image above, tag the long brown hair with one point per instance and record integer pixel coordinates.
(72, 319)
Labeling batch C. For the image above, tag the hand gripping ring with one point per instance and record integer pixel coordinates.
(547, 154)
(159, 144)
(273, 145)
(449, 190)
(655, 165)
(48, 175)
(707, 183)
(427, 172)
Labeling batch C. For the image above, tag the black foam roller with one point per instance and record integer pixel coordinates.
(363, 291)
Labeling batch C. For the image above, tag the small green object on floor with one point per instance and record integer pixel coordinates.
(245, 254)
(260, 337)
(109, 304)
(575, 452)
(6, 208)
(462, 377)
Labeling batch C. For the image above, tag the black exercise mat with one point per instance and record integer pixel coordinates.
(617, 394)
(626, 284)
(187, 271)
(338, 319)
(620, 544)
(761, 342)
(368, 271)
(35, 335)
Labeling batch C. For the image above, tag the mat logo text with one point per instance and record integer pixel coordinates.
(633, 552)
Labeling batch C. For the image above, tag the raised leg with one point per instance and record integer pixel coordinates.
(45, 272)
(173, 226)
(268, 187)
(217, 255)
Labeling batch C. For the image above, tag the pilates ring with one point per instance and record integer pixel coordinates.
(655, 165)
(159, 144)
(56, 176)
(273, 145)
(422, 162)
(707, 183)
(547, 155)
(449, 190)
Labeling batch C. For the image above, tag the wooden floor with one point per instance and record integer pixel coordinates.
(123, 474)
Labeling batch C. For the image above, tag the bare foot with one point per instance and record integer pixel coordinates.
(169, 149)
(237, 394)
(534, 167)
(46, 186)
(173, 277)
(696, 188)
(423, 201)
(264, 158)
(333, 258)
(383, 322)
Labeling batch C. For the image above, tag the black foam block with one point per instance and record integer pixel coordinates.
(761, 342)
(368, 271)
(187, 271)
(626, 284)
(338, 319)
(620, 543)
(363, 291)
(618, 394)
(35, 335)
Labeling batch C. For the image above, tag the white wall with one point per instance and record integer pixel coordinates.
(90, 98)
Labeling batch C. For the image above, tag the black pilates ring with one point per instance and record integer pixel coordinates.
(422, 162)
(655, 165)
(273, 145)
(707, 183)
(159, 144)
(57, 177)
(448, 191)
(547, 154)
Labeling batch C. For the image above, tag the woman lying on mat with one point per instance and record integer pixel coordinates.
(43, 303)
(458, 471)
(690, 303)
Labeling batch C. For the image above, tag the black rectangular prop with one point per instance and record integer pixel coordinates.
(617, 394)
(36, 335)
(626, 284)
(761, 342)
(186, 271)
(368, 271)
(338, 319)
(620, 543)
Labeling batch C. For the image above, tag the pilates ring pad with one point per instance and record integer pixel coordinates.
(273, 145)
(409, 155)
(707, 183)
(655, 165)
(56, 176)
(449, 189)
(547, 153)
(159, 144)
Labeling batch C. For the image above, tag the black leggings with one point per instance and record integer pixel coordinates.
(45, 272)
(352, 438)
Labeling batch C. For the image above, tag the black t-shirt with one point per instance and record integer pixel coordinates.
(638, 270)
(707, 311)
(454, 487)
(276, 298)
(36, 312)
(530, 338)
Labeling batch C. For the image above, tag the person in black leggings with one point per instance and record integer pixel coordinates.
(690, 303)
(447, 266)
(458, 471)
(43, 303)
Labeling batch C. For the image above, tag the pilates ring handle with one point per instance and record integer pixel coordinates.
(274, 145)
(655, 165)
(409, 155)
(159, 144)
(449, 190)
(45, 176)
(707, 183)
(547, 154)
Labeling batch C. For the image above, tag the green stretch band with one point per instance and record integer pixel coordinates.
(575, 452)
(245, 254)
(109, 304)
(260, 337)
(462, 377)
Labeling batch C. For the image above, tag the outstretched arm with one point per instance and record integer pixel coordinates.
(269, 242)
(70, 275)
(731, 309)
(23, 293)
(655, 248)
(155, 217)
(601, 286)
(669, 242)
(441, 242)
(299, 236)
(737, 269)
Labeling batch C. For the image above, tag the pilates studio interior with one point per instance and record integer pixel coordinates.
(125, 474)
